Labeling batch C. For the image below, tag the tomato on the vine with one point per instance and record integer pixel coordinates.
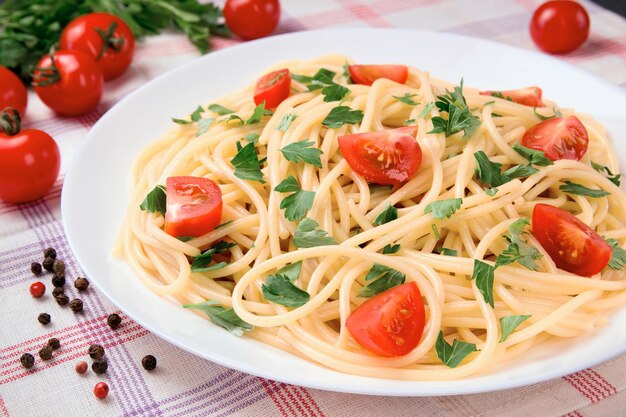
(105, 37)
(12, 91)
(559, 26)
(252, 19)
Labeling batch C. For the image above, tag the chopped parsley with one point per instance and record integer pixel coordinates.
(286, 122)
(510, 323)
(618, 257)
(381, 278)
(491, 191)
(201, 262)
(155, 201)
(297, 204)
(518, 250)
(291, 271)
(387, 215)
(533, 156)
(335, 92)
(459, 118)
(443, 209)
(555, 113)
(391, 249)
(219, 109)
(615, 179)
(452, 354)
(519, 171)
(281, 290)
(303, 151)
(308, 235)
(246, 163)
(489, 172)
(435, 231)
(574, 188)
(203, 125)
(483, 273)
(227, 318)
(426, 111)
(341, 115)
(407, 99)
(447, 252)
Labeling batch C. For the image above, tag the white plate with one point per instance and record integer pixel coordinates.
(96, 189)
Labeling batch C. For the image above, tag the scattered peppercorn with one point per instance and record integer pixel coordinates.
(54, 343)
(95, 351)
(58, 266)
(76, 305)
(58, 280)
(37, 289)
(27, 360)
(81, 367)
(101, 390)
(57, 291)
(35, 268)
(44, 318)
(100, 366)
(50, 253)
(149, 362)
(47, 264)
(45, 353)
(81, 284)
(114, 321)
(62, 299)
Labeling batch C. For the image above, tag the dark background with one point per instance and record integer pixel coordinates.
(618, 6)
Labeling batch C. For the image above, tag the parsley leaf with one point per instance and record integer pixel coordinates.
(387, 215)
(219, 109)
(443, 209)
(489, 172)
(389, 249)
(384, 277)
(181, 121)
(259, 111)
(304, 79)
(232, 117)
(227, 318)
(459, 118)
(291, 271)
(201, 262)
(247, 165)
(308, 235)
(203, 125)
(555, 111)
(615, 179)
(155, 201)
(574, 188)
(406, 99)
(409, 122)
(519, 171)
(252, 137)
(289, 184)
(195, 116)
(426, 111)
(518, 249)
(280, 290)
(534, 157)
(618, 257)
(447, 252)
(341, 115)
(346, 73)
(452, 354)
(334, 92)
(303, 151)
(491, 191)
(510, 323)
(321, 78)
(484, 274)
(435, 231)
(297, 204)
(286, 122)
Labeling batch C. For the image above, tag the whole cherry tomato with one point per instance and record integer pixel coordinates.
(559, 26)
(12, 91)
(252, 19)
(105, 37)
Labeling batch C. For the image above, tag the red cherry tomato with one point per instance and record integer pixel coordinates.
(572, 245)
(390, 323)
(29, 163)
(37, 289)
(559, 26)
(252, 19)
(12, 91)
(70, 86)
(104, 37)
(101, 390)
(530, 96)
(558, 138)
(194, 206)
(388, 157)
(273, 88)
(367, 74)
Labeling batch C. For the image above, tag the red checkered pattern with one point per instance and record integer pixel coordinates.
(185, 385)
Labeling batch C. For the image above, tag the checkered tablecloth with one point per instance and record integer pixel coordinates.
(185, 385)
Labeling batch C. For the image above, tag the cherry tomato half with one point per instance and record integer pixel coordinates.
(390, 323)
(252, 19)
(559, 26)
(572, 245)
(273, 88)
(194, 206)
(530, 96)
(12, 91)
(71, 85)
(558, 138)
(104, 37)
(388, 157)
(367, 74)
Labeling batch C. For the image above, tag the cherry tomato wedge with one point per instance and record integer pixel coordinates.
(559, 26)
(194, 206)
(529, 96)
(252, 19)
(390, 323)
(367, 74)
(105, 37)
(572, 245)
(12, 91)
(558, 138)
(273, 88)
(388, 157)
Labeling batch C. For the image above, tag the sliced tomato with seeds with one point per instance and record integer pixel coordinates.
(273, 88)
(387, 157)
(367, 74)
(558, 138)
(530, 96)
(390, 323)
(572, 245)
(194, 206)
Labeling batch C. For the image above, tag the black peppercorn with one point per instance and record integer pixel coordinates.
(114, 321)
(27, 360)
(62, 299)
(45, 353)
(47, 264)
(58, 280)
(58, 267)
(35, 268)
(81, 284)
(100, 366)
(44, 318)
(50, 253)
(149, 362)
(95, 351)
(76, 305)
(54, 343)
(57, 291)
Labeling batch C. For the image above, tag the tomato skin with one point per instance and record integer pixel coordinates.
(402, 155)
(529, 96)
(37, 289)
(79, 89)
(559, 26)
(273, 88)
(194, 206)
(81, 35)
(558, 138)
(390, 323)
(101, 390)
(12, 91)
(367, 74)
(572, 245)
(252, 19)
(29, 165)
